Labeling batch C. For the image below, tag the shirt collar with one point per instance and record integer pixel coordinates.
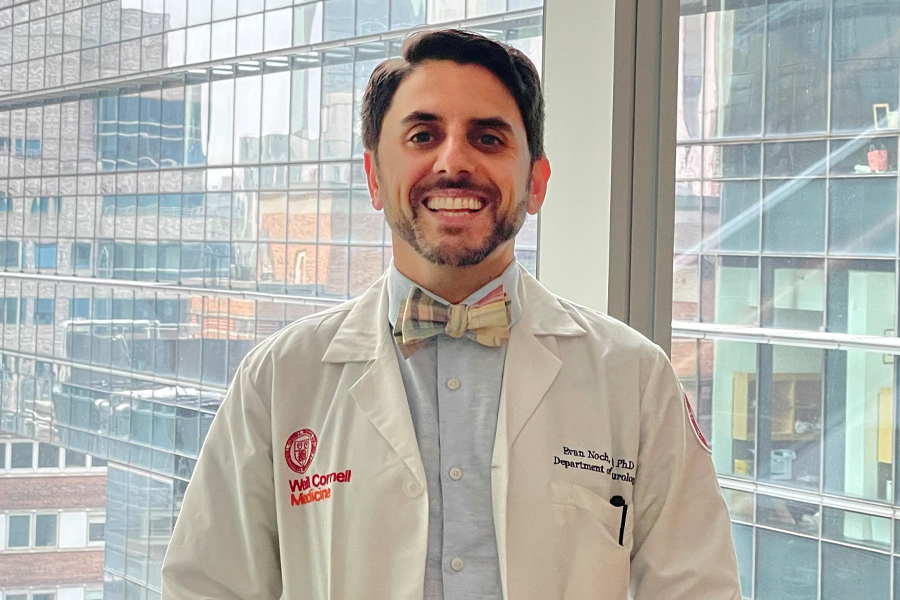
(399, 286)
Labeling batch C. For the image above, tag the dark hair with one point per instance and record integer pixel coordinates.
(510, 65)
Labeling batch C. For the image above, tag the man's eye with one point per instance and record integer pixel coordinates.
(489, 140)
(422, 137)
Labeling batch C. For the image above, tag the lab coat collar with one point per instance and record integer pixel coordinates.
(365, 333)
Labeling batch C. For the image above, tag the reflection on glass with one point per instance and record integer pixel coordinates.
(735, 405)
(250, 34)
(685, 289)
(790, 415)
(308, 24)
(786, 566)
(796, 58)
(248, 101)
(690, 75)
(731, 216)
(740, 505)
(735, 109)
(857, 528)
(863, 219)
(842, 568)
(275, 116)
(407, 13)
(730, 290)
(221, 120)
(794, 216)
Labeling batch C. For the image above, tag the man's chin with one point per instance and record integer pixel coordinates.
(454, 255)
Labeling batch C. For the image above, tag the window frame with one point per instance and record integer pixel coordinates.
(6, 542)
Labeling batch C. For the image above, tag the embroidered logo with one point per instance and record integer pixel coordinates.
(300, 450)
(700, 437)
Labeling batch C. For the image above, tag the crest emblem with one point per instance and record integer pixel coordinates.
(300, 450)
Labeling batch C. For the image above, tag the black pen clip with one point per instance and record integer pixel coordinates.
(618, 501)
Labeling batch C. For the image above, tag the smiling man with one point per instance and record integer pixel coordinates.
(457, 431)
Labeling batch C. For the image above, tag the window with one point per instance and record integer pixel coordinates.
(48, 456)
(75, 459)
(96, 529)
(45, 530)
(2, 456)
(45, 256)
(21, 456)
(43, 596)
(19, 535)
(82, 252)
(43, 311)
(9, 254)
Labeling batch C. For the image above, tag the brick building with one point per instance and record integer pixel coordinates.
(52, 522)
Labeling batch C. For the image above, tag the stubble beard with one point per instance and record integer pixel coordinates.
(411, 231)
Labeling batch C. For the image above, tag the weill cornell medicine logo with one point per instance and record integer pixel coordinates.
(298, 453)
(300, 450)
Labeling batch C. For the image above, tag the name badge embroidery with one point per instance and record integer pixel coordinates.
(617, 469)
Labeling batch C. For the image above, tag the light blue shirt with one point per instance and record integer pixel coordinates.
(453, 388)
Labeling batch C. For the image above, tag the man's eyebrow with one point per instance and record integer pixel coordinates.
(419, 117)
(493, 123)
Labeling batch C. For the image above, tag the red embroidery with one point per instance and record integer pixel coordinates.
(300, 450)
(687, 404)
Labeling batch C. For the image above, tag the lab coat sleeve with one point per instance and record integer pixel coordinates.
(225, 542)
(683, 549)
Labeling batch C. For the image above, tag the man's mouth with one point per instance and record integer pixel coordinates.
(455, 204)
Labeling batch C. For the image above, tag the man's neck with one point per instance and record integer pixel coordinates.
(453, 284)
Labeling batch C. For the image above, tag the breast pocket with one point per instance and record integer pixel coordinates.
(592, 563)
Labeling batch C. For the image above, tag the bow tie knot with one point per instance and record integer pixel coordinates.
(422, 317)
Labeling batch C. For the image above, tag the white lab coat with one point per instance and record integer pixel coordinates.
(574, 379)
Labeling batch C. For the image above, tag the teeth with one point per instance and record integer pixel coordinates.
(454, 204)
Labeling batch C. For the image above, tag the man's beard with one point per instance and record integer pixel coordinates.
(505, 228)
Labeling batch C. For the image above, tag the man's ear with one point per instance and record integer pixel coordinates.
(370, 164)
(540, 175)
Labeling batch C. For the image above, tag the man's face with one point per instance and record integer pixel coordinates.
(453, 171)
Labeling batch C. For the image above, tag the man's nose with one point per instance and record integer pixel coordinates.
(454, 157)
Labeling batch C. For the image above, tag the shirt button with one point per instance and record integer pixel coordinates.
(456, 564)
(453, 383)
(455, 473)
(413, 489)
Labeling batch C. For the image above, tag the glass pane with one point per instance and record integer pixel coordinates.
(786, 566)
(796, 66)
(731, 216)
(848, 572)
(45, 530)
(743, 547)
(857, 528)
(19, 535)
(736, 75)
(21, 453)
(248, 97)
(790, 426)
(734, 407)
(48, 456)
(794, 216)
(863, 219)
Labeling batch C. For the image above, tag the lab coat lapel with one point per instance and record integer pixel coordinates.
(364, 343)
(531, 367)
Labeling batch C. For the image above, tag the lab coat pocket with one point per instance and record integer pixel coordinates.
(592, 564)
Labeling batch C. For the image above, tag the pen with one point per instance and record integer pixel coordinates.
(620, 501)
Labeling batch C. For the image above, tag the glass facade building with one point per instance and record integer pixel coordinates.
(179, 179)
(785, 283)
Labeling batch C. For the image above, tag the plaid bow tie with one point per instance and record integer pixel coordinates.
(421, 317)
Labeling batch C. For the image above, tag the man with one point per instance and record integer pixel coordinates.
(456, 432)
